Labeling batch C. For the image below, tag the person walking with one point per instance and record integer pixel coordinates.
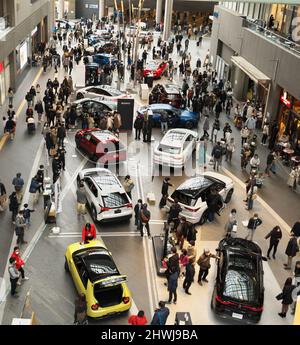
(160, 315)
(128, 185)
(265, 133)
(138, 125)
(270, 163)
(291, 250)
(137, 211)
(230, 148)
(275, 236)
(27, 214)
(245, 134)
(204, 265)
(81, 200)
(189, 276)
(296, 228)
(253, 223)
(80, 314)
(139, 319)
(251, 196)
(206, 126)
(18, 183)
(19, 263)
(217, 155)
(34, 190)
(20, 226)
(88, 233)
(13, 206)
(56, 168)
(10, 96)
(14, 276)
(145, 216)
(165, 191)
(286, 296)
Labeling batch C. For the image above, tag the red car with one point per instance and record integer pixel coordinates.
(156, 69)
(101, 146)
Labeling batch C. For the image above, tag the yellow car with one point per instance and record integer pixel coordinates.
(95, 274)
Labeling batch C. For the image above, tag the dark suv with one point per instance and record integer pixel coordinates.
(239, 287)
(169, 94)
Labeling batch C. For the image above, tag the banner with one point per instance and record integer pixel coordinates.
(57, 196)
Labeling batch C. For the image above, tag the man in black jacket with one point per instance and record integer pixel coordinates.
(137, 210)
(253, 223)
(175, 209)
(291, 250)
(189, 276)
(296, 228)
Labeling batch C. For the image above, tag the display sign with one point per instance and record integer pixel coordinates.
(23, 54)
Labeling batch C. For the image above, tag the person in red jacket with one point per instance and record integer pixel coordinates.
(139, 319)
(19, 262)
(88, 233)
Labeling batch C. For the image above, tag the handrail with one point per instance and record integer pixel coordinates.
(272, 36)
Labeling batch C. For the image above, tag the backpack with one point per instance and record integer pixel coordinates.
(218, 152)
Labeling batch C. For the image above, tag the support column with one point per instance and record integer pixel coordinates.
(158, 11)
(61, 9)
(273, 102)
(168, 19)
(101, 8)
(239, 84)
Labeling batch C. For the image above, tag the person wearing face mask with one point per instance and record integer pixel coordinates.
(19, 263)
(275, 236)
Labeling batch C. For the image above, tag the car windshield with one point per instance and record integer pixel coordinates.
(241, 278)
(169, 149)
(114, 200)
(113, 92)
(99, 264)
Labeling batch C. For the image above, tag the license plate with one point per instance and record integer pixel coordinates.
(118, 211)
(237, 316)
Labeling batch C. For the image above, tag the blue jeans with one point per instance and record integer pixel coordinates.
(250, 204)
(210, 215)
(164, 126)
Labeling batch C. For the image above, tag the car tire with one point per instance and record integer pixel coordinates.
(228, 196)
(79, 95)
(94, 213)
(189, 124)
(203, 218)
(66, 266)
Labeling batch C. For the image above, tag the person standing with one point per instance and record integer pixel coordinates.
(128, 185)
(204, 265)
(230, 148)
(61, 152)
(160, 315)
(275, 236)
(56, 167)
(26, 214)
(18, 183)
(217, 155)
(145, 216)
(296, 228)
(164, 191)
(189, 276)
(253, 223)
(265, 133)
(14, 275)
(20, 228)
(34, 190)
(13, 206)
(251, 196)
(10, 96)
(80, 315)
(286, 297)
(245, 134)
(19, 262)
(172, 286)
(270, 163)
(138, 125)
(139, 319)
(291, 250)
(232, 221)
(174, 211)
(137, 211)
(81, 200)
(206, 126)
(3, 197)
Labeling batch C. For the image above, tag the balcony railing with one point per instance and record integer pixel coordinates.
(272, 36)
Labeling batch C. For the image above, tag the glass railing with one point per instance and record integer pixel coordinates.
(272, 36)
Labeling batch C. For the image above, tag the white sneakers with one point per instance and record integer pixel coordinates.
(25, 278)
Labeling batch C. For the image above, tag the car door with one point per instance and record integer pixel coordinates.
(188, 146)
(91, 191)
(220, 187)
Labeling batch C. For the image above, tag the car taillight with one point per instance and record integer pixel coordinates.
(218, 298)
(258, 309)
(126, 300)
(129, 205)
(103, 209)
(95, 306)
(192, 209)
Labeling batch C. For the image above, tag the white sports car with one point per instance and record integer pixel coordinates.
(104, 92)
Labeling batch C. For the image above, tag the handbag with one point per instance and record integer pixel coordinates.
(280, 296)
(144, 218)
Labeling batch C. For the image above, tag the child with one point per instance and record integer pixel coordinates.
(26, 214)
(183, 261)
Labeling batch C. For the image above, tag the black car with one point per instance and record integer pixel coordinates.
(239, 289)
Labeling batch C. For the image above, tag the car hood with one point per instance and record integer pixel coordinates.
(220, 177)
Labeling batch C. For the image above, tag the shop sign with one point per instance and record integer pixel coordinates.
(285, 101)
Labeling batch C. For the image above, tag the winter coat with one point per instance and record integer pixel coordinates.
(34, 185)
(204, 261)
(136, 320)
(13, 202)
(287, 294)
(189, 272)
(275, 236)
(206, 124)
(292, 247)
(19, 261)
(90, 233)
(254, 223)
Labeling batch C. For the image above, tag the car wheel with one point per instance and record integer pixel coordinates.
(66, 266)
(228, 196)
(94, 214)
(79, 95)
(203, 218)
(189, 124)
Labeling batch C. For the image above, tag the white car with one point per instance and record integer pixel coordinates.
(193, 193)
(175, 148)
(102, 92)
(93, 105)
(106, 196)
